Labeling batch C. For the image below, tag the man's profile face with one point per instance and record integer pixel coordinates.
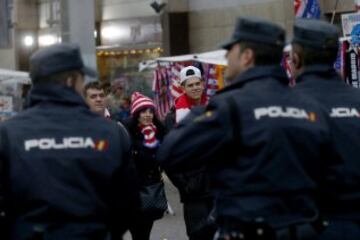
(95, 98)
(240, 59)
(234, 67)
(77, 83)
(194, 88)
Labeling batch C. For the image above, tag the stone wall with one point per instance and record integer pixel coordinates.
(327, 6)
(211, 23)
(25, 23)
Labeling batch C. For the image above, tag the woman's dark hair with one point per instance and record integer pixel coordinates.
(134, 122)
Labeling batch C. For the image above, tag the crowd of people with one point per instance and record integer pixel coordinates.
(260, 160)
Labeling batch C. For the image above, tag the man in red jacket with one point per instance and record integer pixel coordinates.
(193, 185)
(194, 95)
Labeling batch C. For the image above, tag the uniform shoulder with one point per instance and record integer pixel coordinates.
(305, 98)
(17, 119)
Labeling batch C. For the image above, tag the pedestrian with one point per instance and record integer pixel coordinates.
(263, 142)
(115, 99)
(314, 50)
(65, 171)
(94, 95)
(193, 86)
(146, 132)
(193, 184)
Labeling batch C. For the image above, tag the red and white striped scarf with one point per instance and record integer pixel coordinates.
(149, 132)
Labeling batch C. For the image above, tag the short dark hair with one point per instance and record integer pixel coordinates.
(106, 86)
(59, 78)
(92, 85)
(264, 54)
(310, 56)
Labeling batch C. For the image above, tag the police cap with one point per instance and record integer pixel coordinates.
(315, 34)
(257, 30)
(58, 58)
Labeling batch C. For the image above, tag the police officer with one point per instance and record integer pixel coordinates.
(315, 47)
(65, 171)
(263, 141)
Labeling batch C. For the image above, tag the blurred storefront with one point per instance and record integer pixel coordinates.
(121, 64)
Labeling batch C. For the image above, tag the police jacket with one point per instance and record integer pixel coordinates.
(193, 184)
(65, 171)
(265, 144)
(343, 105)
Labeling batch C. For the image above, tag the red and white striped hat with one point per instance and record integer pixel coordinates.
(139, 102)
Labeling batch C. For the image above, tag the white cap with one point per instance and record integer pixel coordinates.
(188, 72)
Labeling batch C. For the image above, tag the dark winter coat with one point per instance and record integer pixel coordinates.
(342, 193)
(65, 171)
(266, 146)
(144, 158)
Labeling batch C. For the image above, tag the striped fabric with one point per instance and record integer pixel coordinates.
(139, 102)
(211, 79)
(307, 9)
(175, 87)
(149, 133)
(166, 83)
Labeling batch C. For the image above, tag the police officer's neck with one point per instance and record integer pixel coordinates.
(196, 102)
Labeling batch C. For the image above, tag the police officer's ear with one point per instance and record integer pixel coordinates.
(296, 60)
(70, 81)
(72, 78)
(247, 55)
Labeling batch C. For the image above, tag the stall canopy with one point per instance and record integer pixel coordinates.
(11, 76)
(214, 57)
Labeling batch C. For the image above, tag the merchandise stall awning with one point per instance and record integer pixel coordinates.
(214, 57)
(11, 76)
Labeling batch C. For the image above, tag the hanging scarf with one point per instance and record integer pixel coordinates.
(149, 133)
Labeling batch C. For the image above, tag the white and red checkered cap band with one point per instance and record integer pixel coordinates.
(139, 102)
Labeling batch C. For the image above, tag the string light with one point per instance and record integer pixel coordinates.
(157, 50)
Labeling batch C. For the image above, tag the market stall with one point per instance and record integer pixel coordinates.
(13, 85)
(348, 62)
(166, 70)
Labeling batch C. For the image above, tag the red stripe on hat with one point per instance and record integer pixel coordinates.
(140, 101)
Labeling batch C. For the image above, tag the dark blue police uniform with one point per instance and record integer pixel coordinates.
(65, 171)
(341, 192)
(265, 144)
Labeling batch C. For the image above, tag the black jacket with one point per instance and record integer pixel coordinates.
(265, 144)
(342, 102)
(145, 158)
(65, 171)
(193, 184)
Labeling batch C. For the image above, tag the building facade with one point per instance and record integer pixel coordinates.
(125, 27)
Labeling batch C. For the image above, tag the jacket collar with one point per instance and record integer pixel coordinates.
(259, 73)
(323, 70)
(55, 93)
